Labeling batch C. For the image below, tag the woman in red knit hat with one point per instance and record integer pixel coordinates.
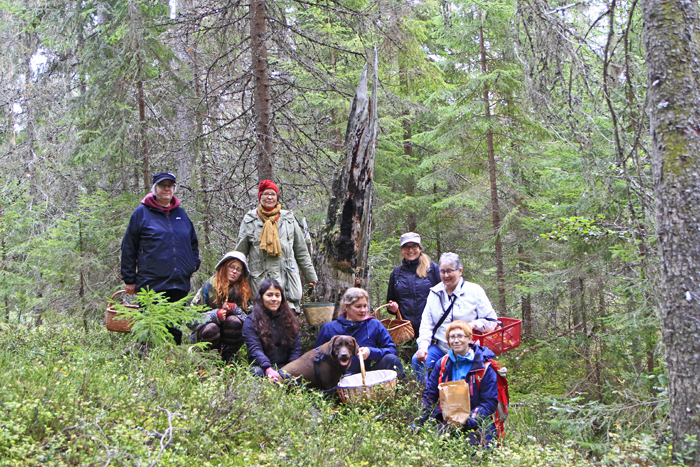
(274, 243)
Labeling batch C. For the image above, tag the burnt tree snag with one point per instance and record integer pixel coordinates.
(342, 260)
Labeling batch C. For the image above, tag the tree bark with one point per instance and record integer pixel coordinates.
(143, 130)
(262, 101)
(672, 56)
(343, 258)
(525, 303)
(495, 208)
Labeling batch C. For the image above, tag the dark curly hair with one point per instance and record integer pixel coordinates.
(263, 323)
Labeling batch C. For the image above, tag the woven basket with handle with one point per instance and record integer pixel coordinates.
(117, 325)
(399, 329)
(366, 386)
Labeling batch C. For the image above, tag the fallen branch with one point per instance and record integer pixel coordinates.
(168, 433)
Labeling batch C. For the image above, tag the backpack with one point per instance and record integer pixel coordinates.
(501, 413)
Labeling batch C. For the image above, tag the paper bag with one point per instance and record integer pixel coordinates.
(454, 401)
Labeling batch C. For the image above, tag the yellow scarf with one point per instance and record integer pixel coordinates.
(269, 235)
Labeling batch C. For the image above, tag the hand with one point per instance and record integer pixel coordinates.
(421, 355)
(393, 307)
(272, 374)
(313, 283)
(363, 352)
(130, 289)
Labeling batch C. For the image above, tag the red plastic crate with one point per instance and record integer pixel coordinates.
(503, 338)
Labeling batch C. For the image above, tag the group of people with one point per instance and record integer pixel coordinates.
(256, 290)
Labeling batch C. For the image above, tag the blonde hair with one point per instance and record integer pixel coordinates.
(458, 325)
(352, 295)
(423, 265)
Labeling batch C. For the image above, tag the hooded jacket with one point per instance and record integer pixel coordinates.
(483, 399)
(369, 333)
(411, 291)
(160, 247)
(284, 269)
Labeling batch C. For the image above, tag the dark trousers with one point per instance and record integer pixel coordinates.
(389, 362)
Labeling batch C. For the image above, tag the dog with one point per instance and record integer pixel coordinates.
(322, 367)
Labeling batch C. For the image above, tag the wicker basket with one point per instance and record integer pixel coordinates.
(399, 329)
(366, 386)
(117, 325)
(318, 313)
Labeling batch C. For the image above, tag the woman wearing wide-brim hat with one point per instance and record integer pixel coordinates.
(274, 243)
(229, 296)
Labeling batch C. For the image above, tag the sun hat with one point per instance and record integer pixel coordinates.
(235, 255)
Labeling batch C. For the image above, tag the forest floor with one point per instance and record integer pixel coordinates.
(76, 398)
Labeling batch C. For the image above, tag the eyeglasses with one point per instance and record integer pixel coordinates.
(457, 337)
(269, 195)
(410, 247)
(233, 268)
(447, 272)
(168, 186)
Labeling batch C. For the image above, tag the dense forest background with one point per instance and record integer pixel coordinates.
(512, 132)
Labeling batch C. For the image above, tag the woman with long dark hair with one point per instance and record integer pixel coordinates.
(271, 332)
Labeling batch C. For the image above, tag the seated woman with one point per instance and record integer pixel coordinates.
(271, 333)
(465, 360)
(227, 294)
(451, 300)
(373, 340)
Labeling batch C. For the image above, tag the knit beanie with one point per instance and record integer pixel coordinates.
(264, 185)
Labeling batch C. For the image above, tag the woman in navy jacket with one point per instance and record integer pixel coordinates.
(465, 360)
(271, 332)
(410, 283)
(160, 249)
(373, 340)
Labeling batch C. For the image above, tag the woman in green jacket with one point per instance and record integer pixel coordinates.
(274, 243)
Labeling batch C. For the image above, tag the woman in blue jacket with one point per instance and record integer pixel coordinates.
(410, 283)
(160, 249)
(374, 342)
(465, 360)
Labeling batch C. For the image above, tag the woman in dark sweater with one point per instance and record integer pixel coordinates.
(271, 332)
(410, 283)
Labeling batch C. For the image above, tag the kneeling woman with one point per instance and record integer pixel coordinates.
(271, 333)
(465, 360)
(373, 340)
(227, 294)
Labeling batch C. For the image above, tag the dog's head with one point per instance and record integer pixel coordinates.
(342, 349)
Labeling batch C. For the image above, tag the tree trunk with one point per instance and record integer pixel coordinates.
(343, 258)
(672, 56)
(495, 209)
(143, 129)
(262, 102)
(407, 144)
(525, 303)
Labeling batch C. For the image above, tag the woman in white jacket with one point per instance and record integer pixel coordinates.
(451, 300)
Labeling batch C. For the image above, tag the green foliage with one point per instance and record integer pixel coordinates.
(155, 315)
(75, 398)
